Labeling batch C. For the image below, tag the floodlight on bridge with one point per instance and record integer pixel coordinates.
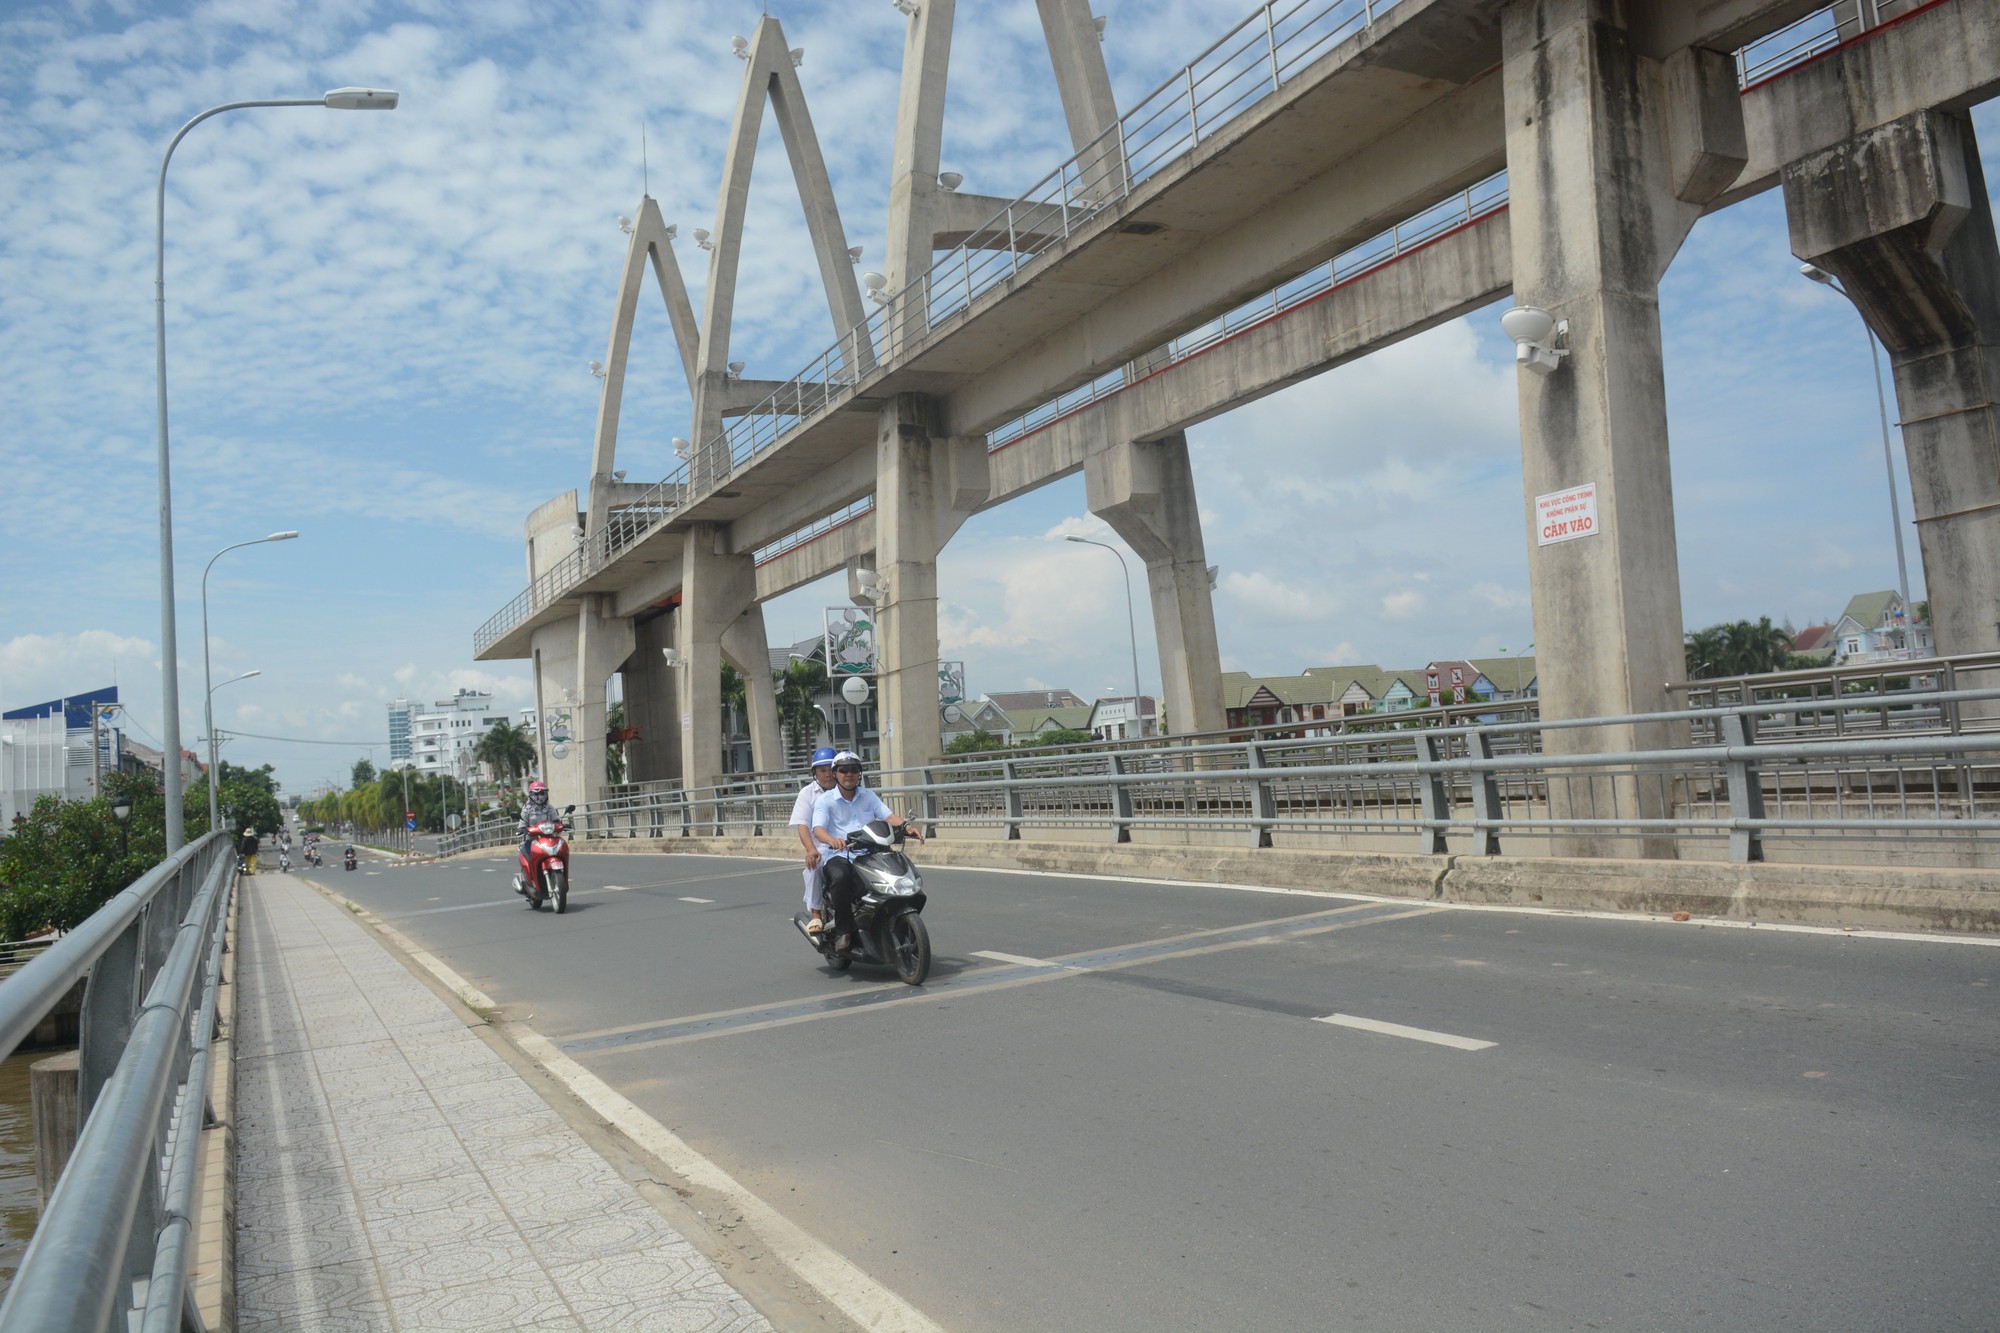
(673, 230)
(1538, 338)
(1098, 25)
(741, 46)
(682, 449)
(701, 238)
(906, 7)
(870, 587)
(671, 656)
(854, 253)
(951, 180)
(736, 370)
(597, 369)
(625, 224)
(798, 54)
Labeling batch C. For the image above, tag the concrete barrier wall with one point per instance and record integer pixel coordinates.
(1879, 897)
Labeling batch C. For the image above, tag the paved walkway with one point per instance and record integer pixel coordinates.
(393, 1172)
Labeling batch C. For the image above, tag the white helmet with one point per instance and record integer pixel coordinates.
(846, 759)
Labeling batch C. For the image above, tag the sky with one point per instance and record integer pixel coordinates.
(380, 327)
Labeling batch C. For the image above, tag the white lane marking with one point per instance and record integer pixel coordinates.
(617, 888)
(1013, 958)
(697, 900)
(371, 872)
(492, 870)
(1414, 1034)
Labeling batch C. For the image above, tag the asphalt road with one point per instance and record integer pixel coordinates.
(1675, 1126)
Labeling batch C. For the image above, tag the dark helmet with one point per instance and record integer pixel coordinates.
(824, 756)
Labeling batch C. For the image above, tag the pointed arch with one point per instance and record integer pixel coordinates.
(769, 76)
(650, 245)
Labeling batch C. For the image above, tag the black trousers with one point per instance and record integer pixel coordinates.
(843, 887)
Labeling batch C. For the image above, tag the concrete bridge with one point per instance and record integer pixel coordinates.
(1400, 164)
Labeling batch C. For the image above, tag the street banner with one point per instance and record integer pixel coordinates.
(951, 683)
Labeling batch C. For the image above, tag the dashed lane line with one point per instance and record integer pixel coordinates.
(1376, 1025)
(1008, 974)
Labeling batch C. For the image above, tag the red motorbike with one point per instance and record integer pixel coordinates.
(545, 868)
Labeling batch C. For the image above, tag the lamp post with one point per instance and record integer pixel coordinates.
(208, 714)
(121, 810)
(214, 761)
(340, 99)
(1825, 279)
(1131, 626)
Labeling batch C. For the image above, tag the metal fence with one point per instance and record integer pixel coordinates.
(1768, 780)
(114, 1243)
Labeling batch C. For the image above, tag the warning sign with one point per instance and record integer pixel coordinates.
(1563, 516)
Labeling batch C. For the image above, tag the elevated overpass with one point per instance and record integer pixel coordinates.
(1329, 178)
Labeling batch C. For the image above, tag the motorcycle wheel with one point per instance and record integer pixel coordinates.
(559, 881)
(910, 948)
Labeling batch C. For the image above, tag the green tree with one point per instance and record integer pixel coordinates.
(616, 733)
(1055, 736)
(364, 773)
(1740, 648)
(974, 741)
(507, 749)
(802, 681)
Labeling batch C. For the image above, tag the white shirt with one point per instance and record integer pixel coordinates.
(802, 809)
(840, 816)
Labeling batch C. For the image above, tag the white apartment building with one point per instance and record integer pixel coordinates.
(444, 734)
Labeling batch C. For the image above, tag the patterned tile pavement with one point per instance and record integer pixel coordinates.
(394, 1173)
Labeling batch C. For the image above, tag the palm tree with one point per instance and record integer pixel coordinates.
(802, 681)
(1743, 648)
(507, 749)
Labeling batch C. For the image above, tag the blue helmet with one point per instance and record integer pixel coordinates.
(823, 756)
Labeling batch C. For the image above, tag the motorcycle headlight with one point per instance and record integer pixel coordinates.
(904, 884)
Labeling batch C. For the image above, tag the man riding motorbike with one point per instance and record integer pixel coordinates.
(802, 819)
(836, 814)
(537, 810)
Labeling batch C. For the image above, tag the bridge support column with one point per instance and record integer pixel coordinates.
(1901, 216)
(927, 485)
(1611, 156)
(573, 661)
(1145, 491)
(748, 649)
(652, 703)
(718, 594)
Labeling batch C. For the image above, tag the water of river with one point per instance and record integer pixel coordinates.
(18, 1206)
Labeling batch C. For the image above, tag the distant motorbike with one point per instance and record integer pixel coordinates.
(545, 872)
(349, 859)
(888, 923)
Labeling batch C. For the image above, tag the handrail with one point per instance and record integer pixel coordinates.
(107, 1226)
(1723, 777)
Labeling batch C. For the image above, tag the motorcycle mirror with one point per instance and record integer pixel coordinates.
(569, 809)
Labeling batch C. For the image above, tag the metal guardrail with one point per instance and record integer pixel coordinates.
(1254, 60)
(1747, 774)
(113, 1244)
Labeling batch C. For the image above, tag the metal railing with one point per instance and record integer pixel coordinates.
(114, 1243)
(1251, 62)
(1816, 34)
(1747, 775)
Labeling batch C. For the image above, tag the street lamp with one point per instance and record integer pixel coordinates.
(1825, 279)
(208, 714)
(1131, 625)
(214, 764)
(121, 810)
(340, 99)
(1520, 684)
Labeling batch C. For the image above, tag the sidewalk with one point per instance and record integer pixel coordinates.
(393, 1172)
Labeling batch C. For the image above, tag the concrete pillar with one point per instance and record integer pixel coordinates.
(1145, 491)
(748, 649)
(926, 486)
(652, 703)
(1901, 216)
(719, 617)
(574, 659)
(1610, 157)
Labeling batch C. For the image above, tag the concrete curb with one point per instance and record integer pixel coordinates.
(1875, 897)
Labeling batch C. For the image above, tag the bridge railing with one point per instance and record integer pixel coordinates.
(117, 1236)
(1751, 775)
